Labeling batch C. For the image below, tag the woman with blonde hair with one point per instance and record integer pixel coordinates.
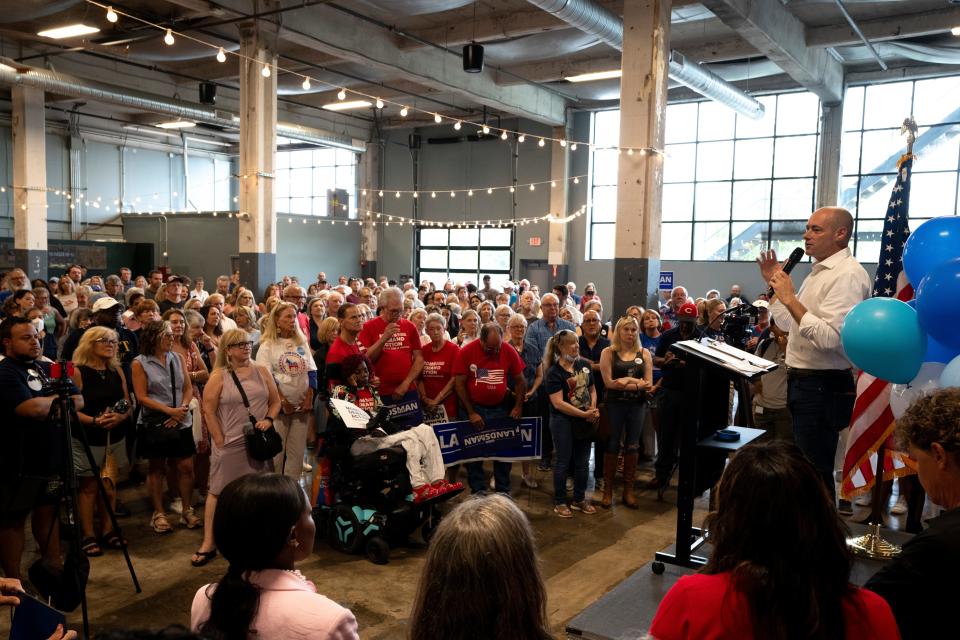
(226, 417)
(419, 319)
(66, 293)
(711, 317)
(100, 380)
(486, 547)
(627, 370)
(286, 351)
(246, 319)
(486, 311)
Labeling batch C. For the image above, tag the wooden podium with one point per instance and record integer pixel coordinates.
(704, 356)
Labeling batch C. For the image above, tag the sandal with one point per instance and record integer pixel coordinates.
(563, 511)
(160, 523)
(190, 519)
(90, 547)
(201, 558)
(584, 507)
(111, 540)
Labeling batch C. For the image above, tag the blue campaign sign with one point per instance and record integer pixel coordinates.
(666, 280)
(501, 439)
(406, 411)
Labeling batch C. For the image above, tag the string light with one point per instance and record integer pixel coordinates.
(403, 112)
(437, 118)
(111, 15)
(485, 129)
(503, 136)
(379, 103)
(563, 143)
(541, 142)
(521, 138)
(457, 126)
(221, 55)
(169, 38)
(306, 84)
(265, 71)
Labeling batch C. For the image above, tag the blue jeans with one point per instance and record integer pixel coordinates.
(569, 450)
(501, 470)
(626, 418)
(820, 406)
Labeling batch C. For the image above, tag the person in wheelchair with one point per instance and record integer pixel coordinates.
(424, 462)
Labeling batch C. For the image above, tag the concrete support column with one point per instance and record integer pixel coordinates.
(29, 182)
(828, 164)
(643, 101)
(258, 144)
(557, 251)
(370, 184)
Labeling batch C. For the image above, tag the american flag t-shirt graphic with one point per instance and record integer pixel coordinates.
(490, 376)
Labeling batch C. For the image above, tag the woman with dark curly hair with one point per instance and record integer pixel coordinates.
(780, 567)
(263, 526)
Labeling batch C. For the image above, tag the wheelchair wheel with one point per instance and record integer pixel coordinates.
(344, 531)
(378, 551)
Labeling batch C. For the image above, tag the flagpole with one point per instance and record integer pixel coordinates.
(872, 544)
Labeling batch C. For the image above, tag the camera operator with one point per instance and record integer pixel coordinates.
(32, 455)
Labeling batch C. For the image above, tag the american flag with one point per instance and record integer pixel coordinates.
(872, 422)
(490, 376)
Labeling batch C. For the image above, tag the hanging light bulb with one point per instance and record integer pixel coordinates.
(341, 95)
(533, 187)
(521, 138)
(169, 37)
(397, 195)
(485, 129)
(379, 103)
(265, 72)
(380, 194)
(470, 193)
(403, 112)
(111, 15)
(512, 189)
(489, 190)
(306, 84)
(629, 152)
(541, 142)
(573, 147)
(457, 125)
(437, 118)
(503, 135)
(576, 181)
(433, 194)
(563, 143)
(453, 194)
(415, 194)
(221, 56)
(553, 183)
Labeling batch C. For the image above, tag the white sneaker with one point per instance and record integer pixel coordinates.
(569, 484)
(900, 507)
(307, 468)
(864, 500)
(529, 481)
(493, 484)
(176, 505)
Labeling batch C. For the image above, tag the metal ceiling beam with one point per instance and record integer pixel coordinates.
(909, 25)
(778, 34)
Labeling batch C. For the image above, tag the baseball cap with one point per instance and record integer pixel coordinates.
(763, 304)
(687, 311)
(174, 278)
(104, 303)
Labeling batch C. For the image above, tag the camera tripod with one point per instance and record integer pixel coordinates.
(63, 412)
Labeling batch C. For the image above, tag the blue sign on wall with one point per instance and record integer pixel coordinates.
(666, 280)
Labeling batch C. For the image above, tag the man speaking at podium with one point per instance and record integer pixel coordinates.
(821, 387)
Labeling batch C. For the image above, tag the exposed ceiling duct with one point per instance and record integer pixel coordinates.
(608, 27)
(59, 83)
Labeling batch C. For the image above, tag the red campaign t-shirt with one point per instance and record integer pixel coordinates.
(487, 375)
(396, 357)
(437, 371)
(339, 350)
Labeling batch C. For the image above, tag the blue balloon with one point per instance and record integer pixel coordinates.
(883, 337)
(938, 302)
(933, 242)
(936, 350)
(951, 374)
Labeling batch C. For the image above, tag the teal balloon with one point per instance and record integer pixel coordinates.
(931, 243)
(951, 374)
(938, 302)
(883, 337)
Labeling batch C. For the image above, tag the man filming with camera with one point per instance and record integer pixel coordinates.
(32, 454)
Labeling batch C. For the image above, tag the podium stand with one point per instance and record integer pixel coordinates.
(701, 358)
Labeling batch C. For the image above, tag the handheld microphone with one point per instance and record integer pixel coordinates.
(791, 262)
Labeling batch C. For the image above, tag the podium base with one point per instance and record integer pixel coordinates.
(872, 545)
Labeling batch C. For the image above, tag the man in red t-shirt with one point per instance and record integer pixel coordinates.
(393, 345)
(481, 369)
(345, 344)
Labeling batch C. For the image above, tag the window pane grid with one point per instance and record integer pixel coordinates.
(302, 178)
(728, 181)
(464, 254)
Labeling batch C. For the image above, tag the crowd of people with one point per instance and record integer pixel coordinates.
(175, 377)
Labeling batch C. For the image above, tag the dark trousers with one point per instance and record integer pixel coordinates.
(672, 412)
(501, 470)
(820, 406)
(546, 436)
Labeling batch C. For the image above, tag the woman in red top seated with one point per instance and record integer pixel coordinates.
(780, 567)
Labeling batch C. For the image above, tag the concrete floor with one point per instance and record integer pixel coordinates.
(582, 559)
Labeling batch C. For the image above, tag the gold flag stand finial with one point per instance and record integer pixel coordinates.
(909, 128)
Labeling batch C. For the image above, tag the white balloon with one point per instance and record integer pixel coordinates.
(925, 382)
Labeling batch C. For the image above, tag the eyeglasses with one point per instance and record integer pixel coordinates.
(106, 341)
(294, 297)
(243, 345)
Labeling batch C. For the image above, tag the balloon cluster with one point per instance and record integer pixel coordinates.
(915, 345)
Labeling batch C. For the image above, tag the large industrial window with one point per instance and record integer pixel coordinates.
(732, 185)
(464, 255)
(304, 176)
(872, 144)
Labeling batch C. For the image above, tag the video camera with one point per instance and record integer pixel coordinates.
(738, 324)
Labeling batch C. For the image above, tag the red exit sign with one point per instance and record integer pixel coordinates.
(535, 241)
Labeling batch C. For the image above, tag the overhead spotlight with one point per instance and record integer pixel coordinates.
(473, 58)
(221, 56)
(306, 84)
(437, 118)
(341, 95)
(265, 71)
(379, 103)
(403, 112)
(111, 15)
(168, 38)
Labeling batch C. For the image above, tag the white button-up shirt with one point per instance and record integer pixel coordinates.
(834, 287)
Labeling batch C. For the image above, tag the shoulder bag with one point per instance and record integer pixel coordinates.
(154, 436)
(261, 445)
